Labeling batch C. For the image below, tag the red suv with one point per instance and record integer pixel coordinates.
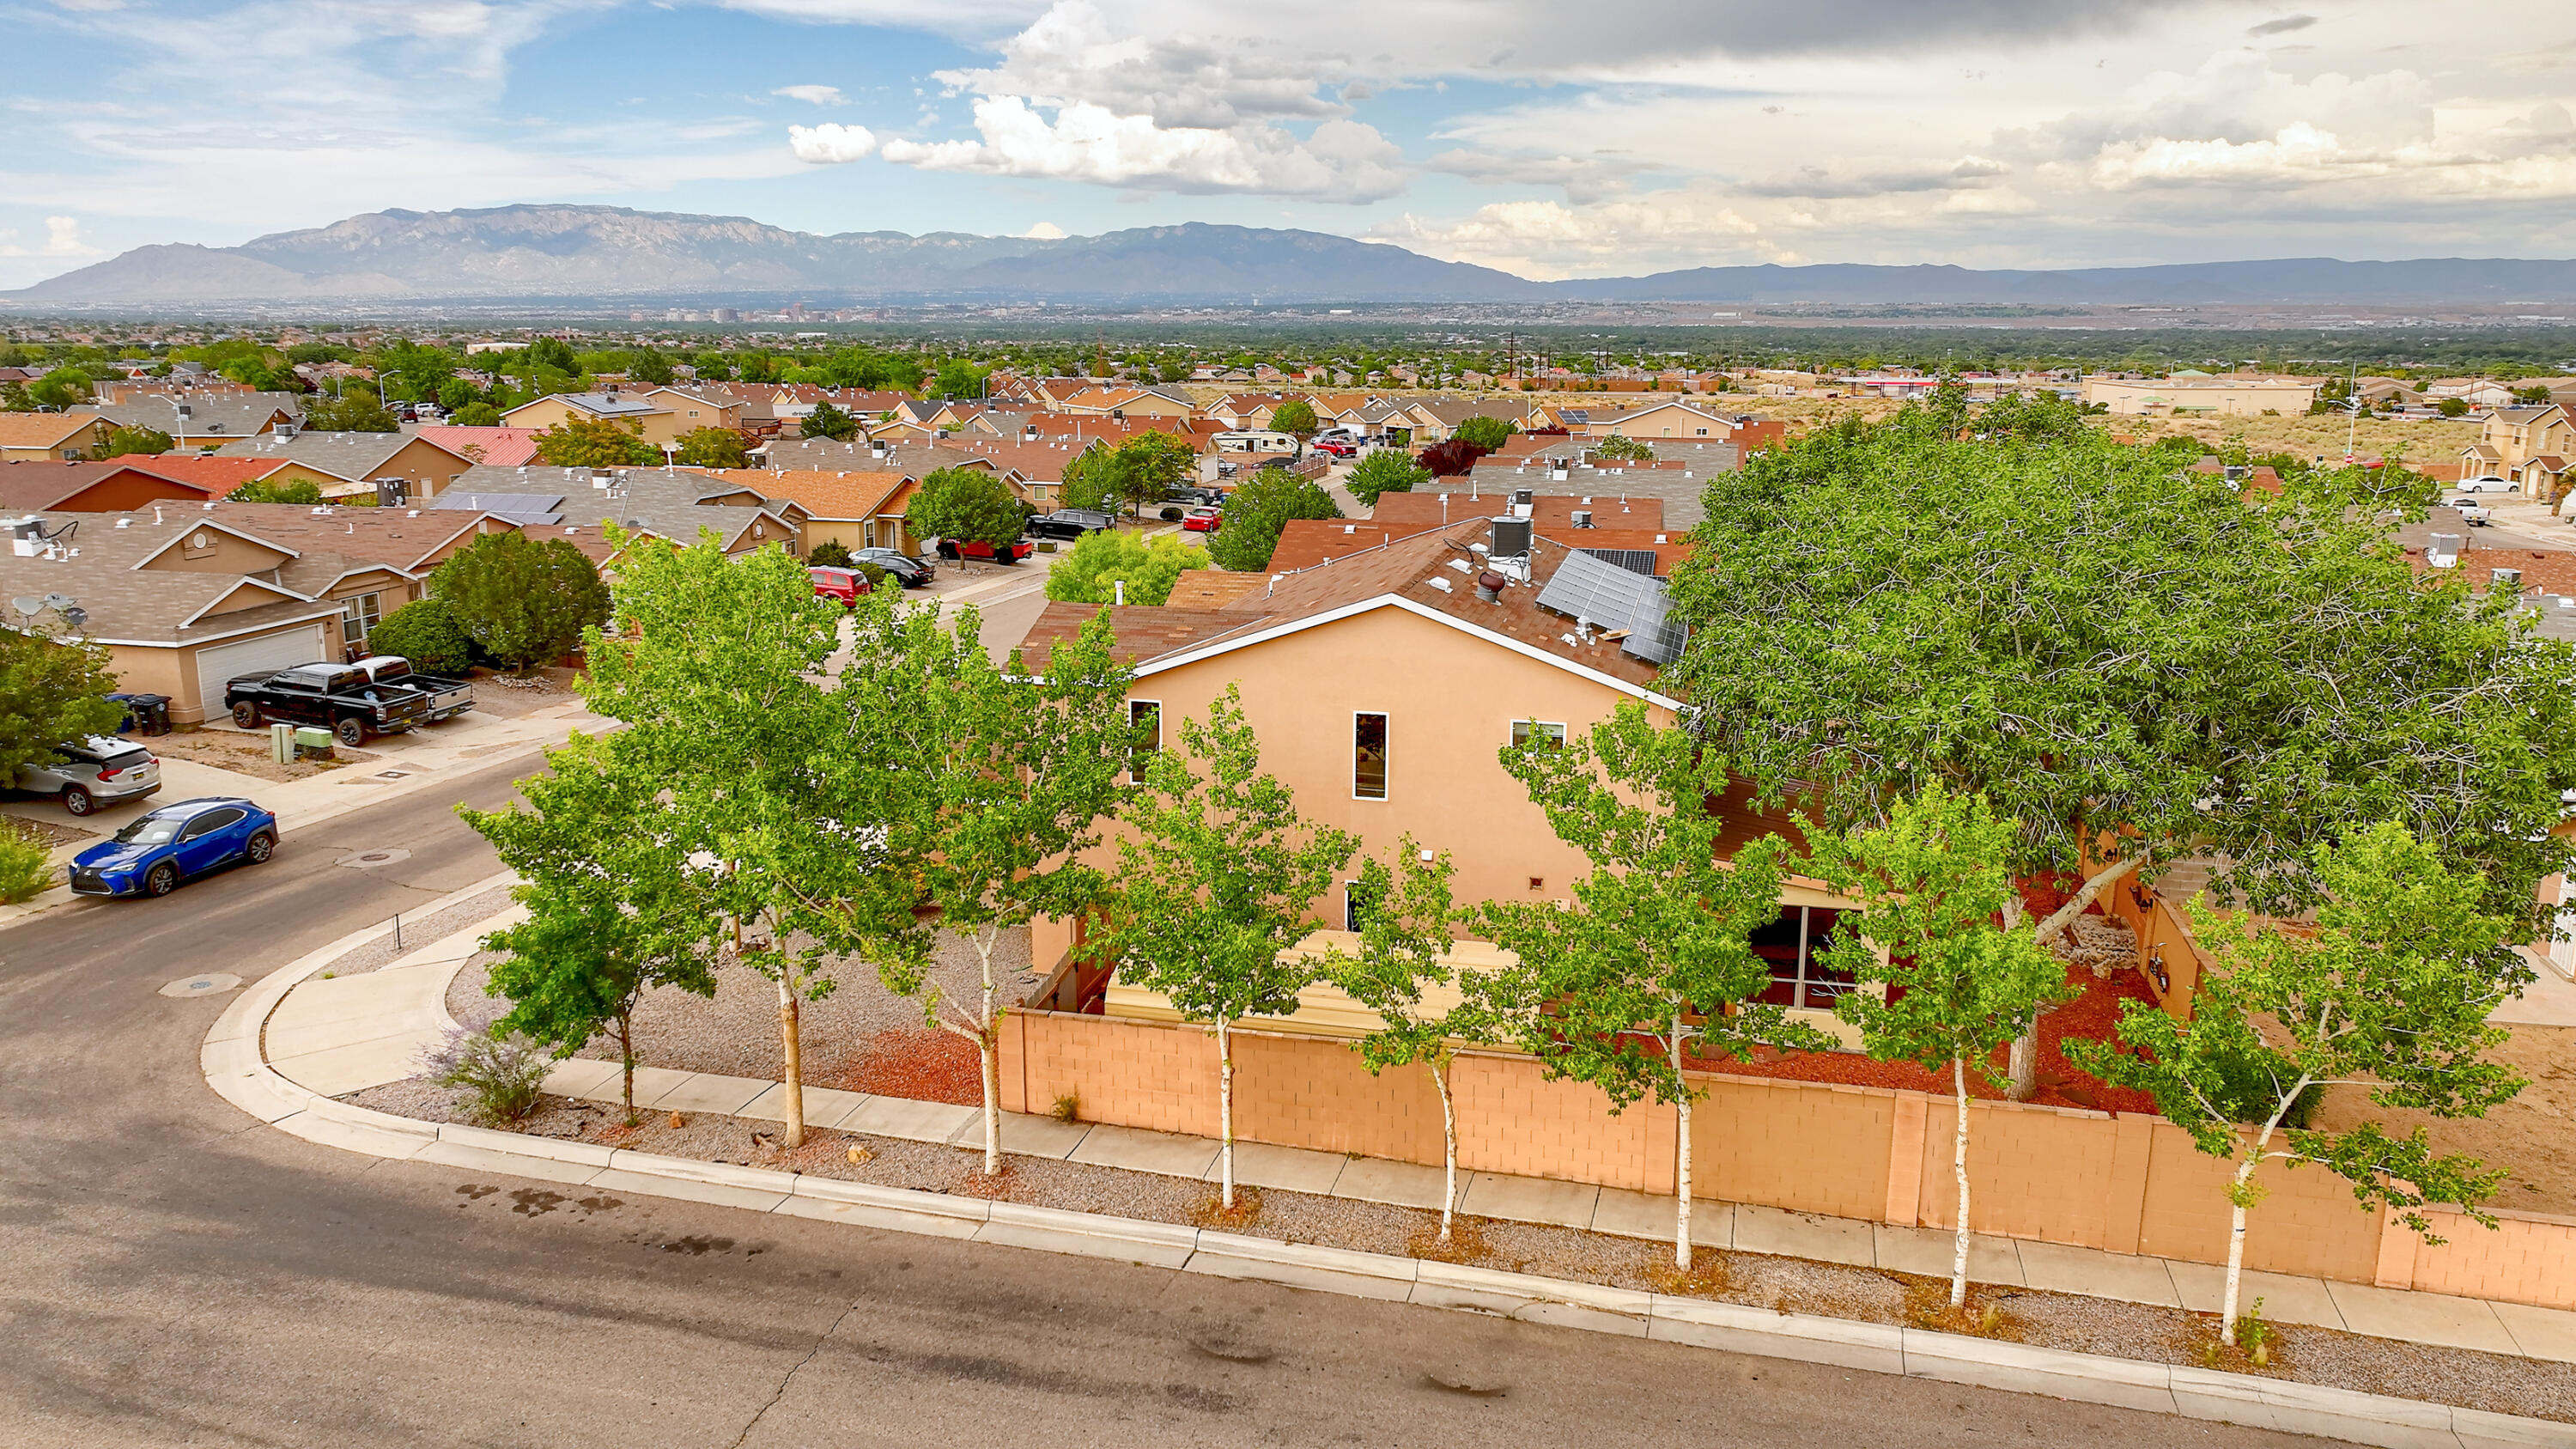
(845, 585)
(1012, 552)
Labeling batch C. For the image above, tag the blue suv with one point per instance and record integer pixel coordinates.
(163, 847)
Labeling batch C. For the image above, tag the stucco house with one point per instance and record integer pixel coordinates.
(2530, 445)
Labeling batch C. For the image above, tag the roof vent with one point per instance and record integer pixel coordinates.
(1441, 584)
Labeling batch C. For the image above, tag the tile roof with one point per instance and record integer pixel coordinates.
(498, 447)
(45, 484)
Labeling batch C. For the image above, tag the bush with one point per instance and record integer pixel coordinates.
(23, 870)
(523, 602)
(1171, 513)
(502, 1077)
(301, 490)
(1384, 472)
(831, 553)
(426, 633)
(965, 504)
(122, 441)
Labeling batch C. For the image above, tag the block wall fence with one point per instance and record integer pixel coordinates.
(2121, 1182)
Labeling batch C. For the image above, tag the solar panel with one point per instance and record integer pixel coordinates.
(1634, 560)
(1608, 596)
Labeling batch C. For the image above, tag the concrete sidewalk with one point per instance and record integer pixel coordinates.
(339, 1036)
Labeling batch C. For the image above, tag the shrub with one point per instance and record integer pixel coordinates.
(831, 553)
(523, 602)
(23, 870)
(125, 440)
(426, 633)
(1171, 513)
(965, 504)
(301, 490)
(1384, 472)
(502, 1078)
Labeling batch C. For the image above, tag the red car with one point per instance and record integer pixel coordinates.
(1203, 520)
(846, 585)
(1012, 552)
(1338, 450)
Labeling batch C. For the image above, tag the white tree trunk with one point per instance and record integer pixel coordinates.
(1959, 1169)
(985, 1048)
(1681, 1158)
(2235, 1264)
(1225, 1112)
(1448, 1148)
(791, 1060)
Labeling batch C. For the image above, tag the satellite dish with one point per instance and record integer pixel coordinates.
(75, 616)
(27, 604)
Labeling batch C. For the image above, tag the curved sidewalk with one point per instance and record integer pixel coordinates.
(294, 1040)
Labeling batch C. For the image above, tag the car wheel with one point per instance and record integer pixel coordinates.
(246, 716)
(163, 880)
(77, 801)
(261, 847)
(350, 732)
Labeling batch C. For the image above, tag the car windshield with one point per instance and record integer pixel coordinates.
(150, 830)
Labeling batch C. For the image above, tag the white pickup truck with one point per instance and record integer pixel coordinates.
(2474, 511)
(447, 698)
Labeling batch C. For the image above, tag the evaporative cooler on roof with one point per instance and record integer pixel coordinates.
(1608, 597)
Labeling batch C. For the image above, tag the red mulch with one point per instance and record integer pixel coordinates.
(923, 1063)
(2061, 1084)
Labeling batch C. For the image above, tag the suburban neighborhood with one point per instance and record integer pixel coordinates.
(775, 725)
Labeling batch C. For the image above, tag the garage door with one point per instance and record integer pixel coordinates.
(221, 662)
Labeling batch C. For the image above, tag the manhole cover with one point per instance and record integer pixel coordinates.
(370, 859)
(393, 774)
(212, 983)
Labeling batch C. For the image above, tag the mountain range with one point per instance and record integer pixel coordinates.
(607, 253)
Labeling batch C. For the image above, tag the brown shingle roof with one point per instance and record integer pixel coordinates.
(42, 430)
(1143, 633)
(835, 495)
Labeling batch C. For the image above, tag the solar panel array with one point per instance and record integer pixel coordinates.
(1634, 560)
(1607, 596)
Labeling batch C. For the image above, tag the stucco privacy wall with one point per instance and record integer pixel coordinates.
(2128, 1184)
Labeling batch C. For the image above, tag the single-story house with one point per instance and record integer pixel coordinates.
(346, 464)
(110, 487)
(52, 437)
(206, 419)
(648, 419)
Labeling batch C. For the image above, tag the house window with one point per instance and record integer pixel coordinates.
(1368, 757)
(1539, 732)
(1145, 728)
(357, 616)
(1357, 901)
(1791, 946)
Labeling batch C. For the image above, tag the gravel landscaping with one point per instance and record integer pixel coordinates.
(419, 931)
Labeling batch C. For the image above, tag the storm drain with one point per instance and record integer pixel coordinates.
(210, 984)
(370, 859)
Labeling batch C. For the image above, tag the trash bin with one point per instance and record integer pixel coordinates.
(146, 714)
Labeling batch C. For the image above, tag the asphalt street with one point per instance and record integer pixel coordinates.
(172, 1272)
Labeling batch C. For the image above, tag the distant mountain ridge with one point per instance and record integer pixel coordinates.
(604, 253)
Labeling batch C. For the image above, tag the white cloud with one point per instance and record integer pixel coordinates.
(62, 240)
(813, 95)
(1339, 161)
(830, 143)
(1550, 239)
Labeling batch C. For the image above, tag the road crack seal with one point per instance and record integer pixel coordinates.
(745, 1436)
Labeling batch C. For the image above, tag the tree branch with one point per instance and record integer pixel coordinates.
(2063, 917)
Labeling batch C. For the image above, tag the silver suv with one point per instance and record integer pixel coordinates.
(97, 771)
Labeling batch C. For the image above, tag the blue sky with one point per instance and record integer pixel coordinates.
(1550, 140)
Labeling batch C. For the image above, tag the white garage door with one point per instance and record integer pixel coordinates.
(221, 662)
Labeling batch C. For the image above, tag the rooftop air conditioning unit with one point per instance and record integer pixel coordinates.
(1583, 518)
(2506, 579)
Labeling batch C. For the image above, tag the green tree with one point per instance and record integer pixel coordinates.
(1385, 471)
(1620, 448)
(2390, 995)
(717, 669)
(966, 504)
(595, 443)
(827, 421)
(1003, 783)
(550, 352)
(1091, 478)
(610, 915)
(959, 379)
(1401, 967)
(355, 413)
(523, 602)
(713, 448)
(830, 553)
(1099, 562)
(1657, 947)
(1295, 417)
(1147, 467)
(60, 388)
(649, 366)
(1257, 511)
(1932, 888)
(52, 692)
(1217, 881)
(425, 632)
(1488, 433)
(476, 415)
(2131, 660)
(137, 440)
(293, 490)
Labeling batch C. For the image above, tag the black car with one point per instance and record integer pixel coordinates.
(1070, 523)
(1194, 497)
(906, 570)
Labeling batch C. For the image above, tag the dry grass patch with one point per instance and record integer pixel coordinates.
(1707, 1277)
(1212, 1212)
(1927, 1305)
(1464, 1246)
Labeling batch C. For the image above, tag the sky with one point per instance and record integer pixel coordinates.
(1551, 140)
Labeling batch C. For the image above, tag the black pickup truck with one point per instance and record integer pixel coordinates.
(338, 697)
(448, 697)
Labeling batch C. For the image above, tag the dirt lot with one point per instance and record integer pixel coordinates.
(245, 752)
(2530, 1134)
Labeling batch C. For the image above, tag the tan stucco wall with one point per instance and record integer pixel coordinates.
(227, 553)
(144, 670)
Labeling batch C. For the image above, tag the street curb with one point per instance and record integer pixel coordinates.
(239, 1074)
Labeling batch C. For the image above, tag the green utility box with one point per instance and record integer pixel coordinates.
(312, 744)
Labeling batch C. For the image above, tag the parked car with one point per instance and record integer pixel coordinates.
(338, 697)
(96, 771)
(1012, 552)
(448, 696)
(169, 844)
(1187, 493)
(1335, 448)
(1203, 520)
(1068, 523)
(847, 585)
(906, 570)
(2489, 484)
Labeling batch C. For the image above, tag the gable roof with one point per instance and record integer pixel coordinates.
(43, 430)
(839, 497)
(210, 414)
(496, 447)
(356, 457)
